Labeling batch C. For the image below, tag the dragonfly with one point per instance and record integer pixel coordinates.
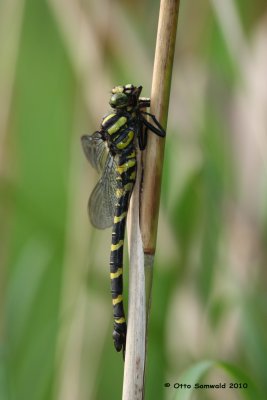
(112, 152)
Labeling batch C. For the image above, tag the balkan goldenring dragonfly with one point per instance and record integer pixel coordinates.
(112, 152)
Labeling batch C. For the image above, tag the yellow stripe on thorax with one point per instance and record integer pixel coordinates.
(125, 142)
(116, 246)
(116, 274)
(107, 118)
(117, 125)
(117, 300)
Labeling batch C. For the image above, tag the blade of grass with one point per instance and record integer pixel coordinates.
(11, 14)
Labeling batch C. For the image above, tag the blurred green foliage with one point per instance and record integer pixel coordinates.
(58, 62)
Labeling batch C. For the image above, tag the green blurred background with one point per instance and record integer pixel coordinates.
(58, 61)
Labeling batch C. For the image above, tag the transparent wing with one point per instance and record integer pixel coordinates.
(95, 150)
(101, 205)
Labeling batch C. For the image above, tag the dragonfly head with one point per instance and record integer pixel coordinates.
(125, 96)
(119, 100)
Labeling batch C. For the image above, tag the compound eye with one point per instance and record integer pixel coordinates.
(118, 100)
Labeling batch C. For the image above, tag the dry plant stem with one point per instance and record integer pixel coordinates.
(160, 93)
(136, 333)
(142, 237)
(153, 160)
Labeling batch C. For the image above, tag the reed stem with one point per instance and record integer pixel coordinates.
(143, 234)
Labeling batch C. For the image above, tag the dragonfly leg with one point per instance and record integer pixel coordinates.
(158, 129)
(142, 136)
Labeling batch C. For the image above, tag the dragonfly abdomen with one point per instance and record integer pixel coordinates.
(126, 178)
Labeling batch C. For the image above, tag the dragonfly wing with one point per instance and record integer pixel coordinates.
(101, 205)
(95, 150)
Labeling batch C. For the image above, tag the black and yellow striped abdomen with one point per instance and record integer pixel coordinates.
(120, 138)
(126, 179)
